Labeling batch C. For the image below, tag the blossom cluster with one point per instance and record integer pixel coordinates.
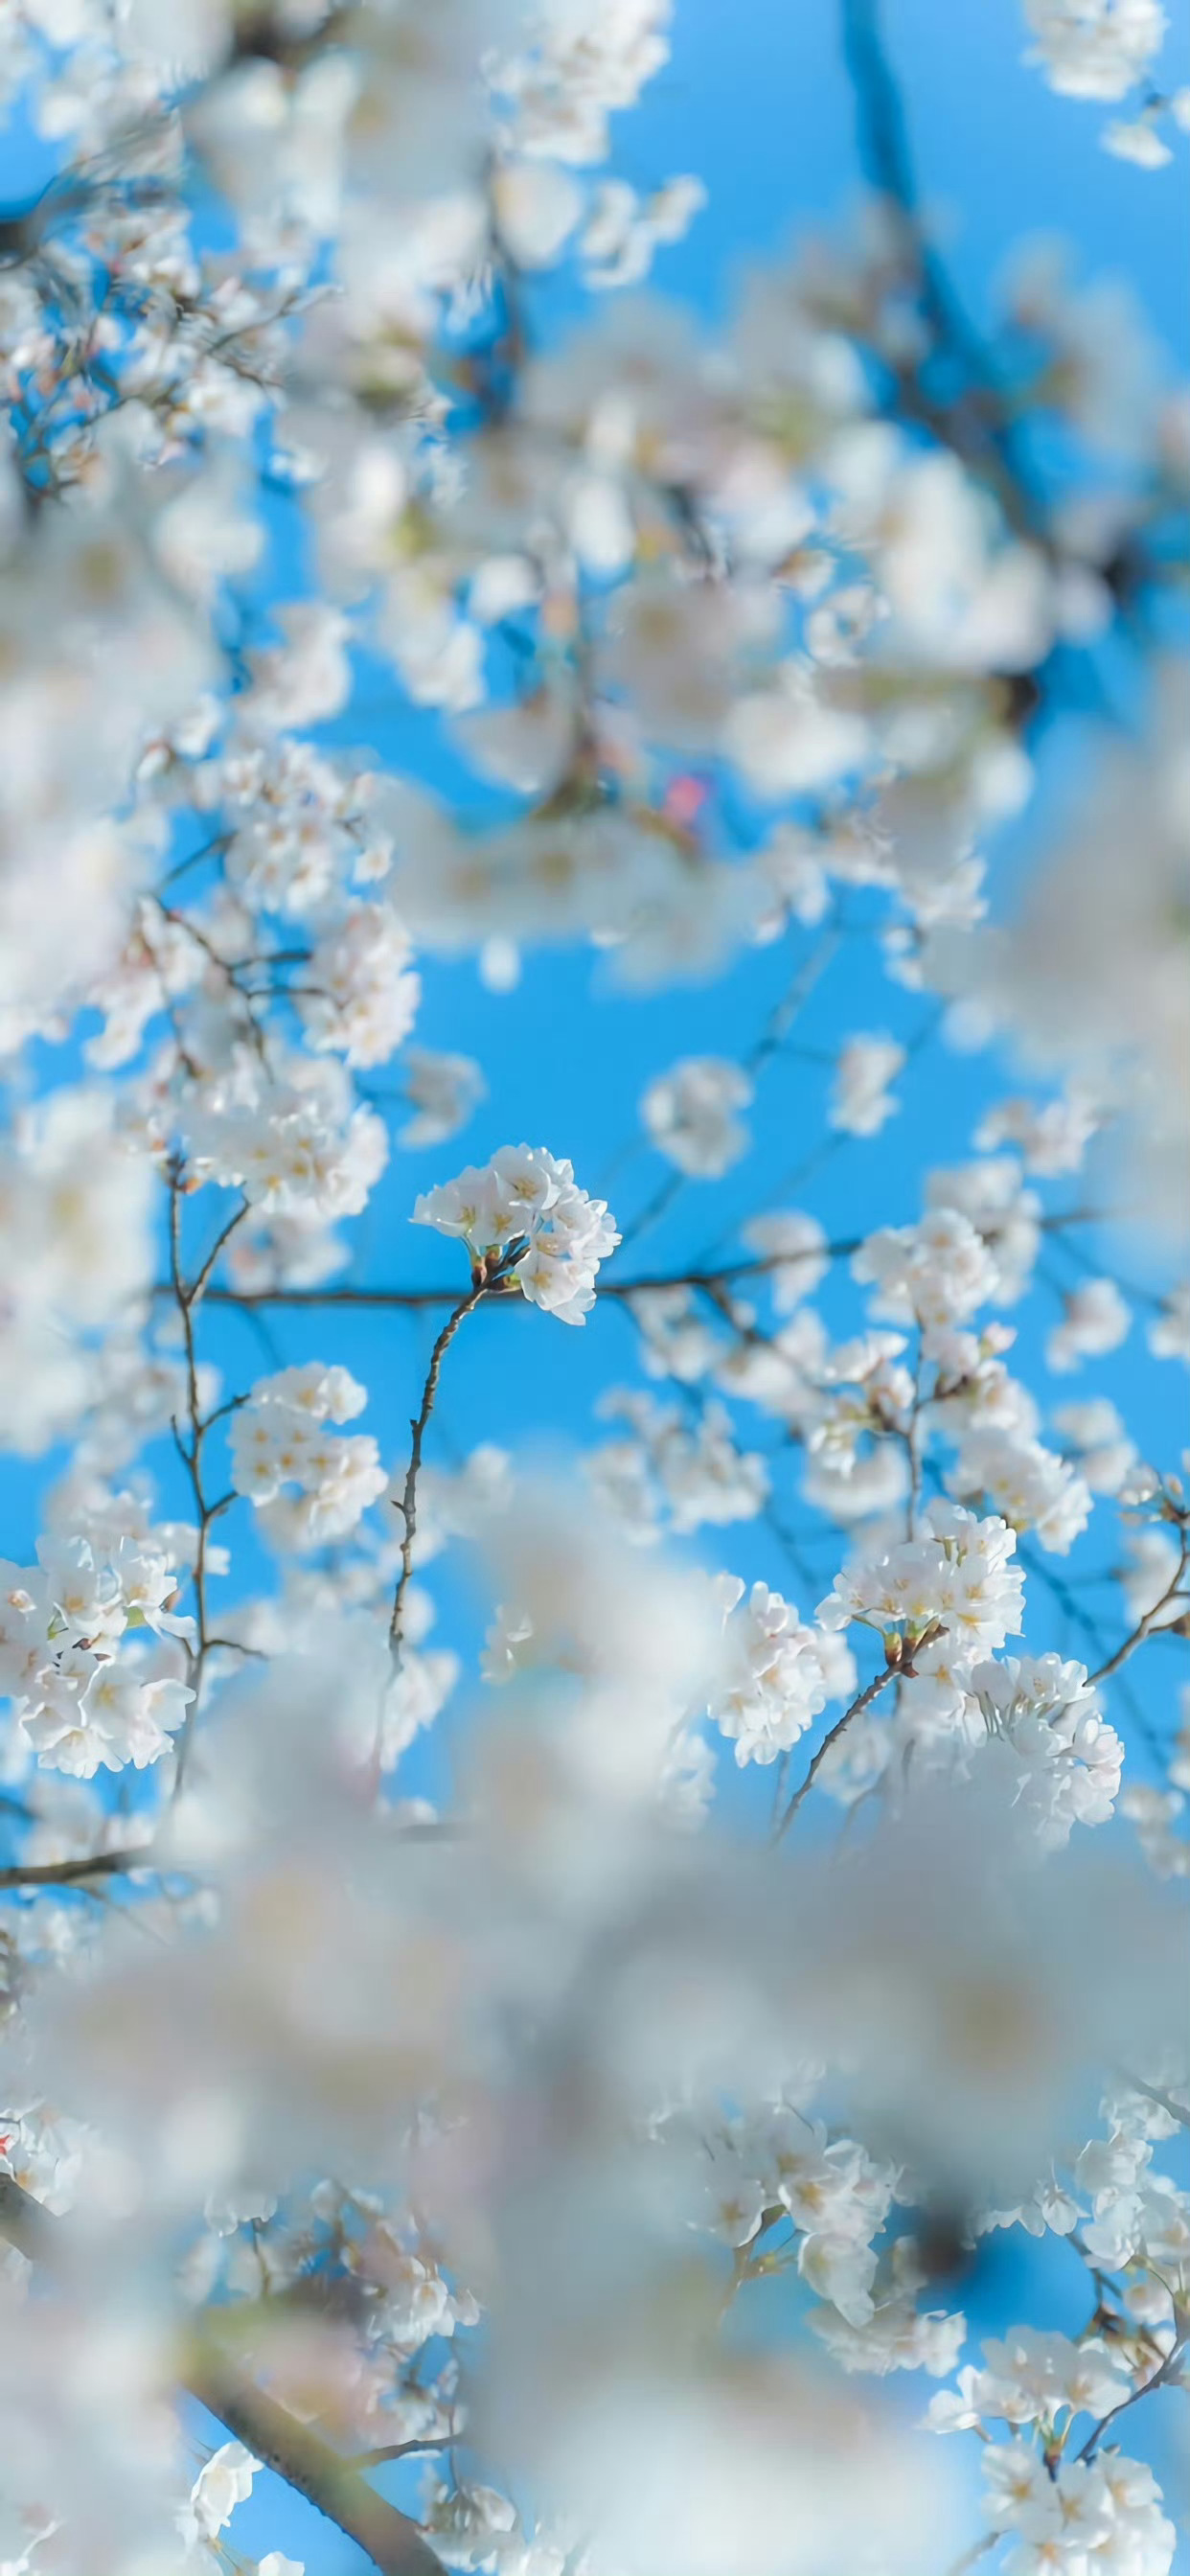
(583, 2093)
(1103, 49)
(81, 1702)
(524, 1210)
(778, 1675)
(1088, 2510)
(279, 1437)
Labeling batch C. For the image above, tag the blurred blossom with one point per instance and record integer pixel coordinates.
(551, 1982)
(1094, 971)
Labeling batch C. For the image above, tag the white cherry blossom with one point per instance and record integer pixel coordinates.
(861, 1103)
(690, 1115)
(774, 1683)
(523, 1197)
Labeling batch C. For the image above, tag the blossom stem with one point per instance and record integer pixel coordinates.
(187, 1297)
(1144, 1627)
(198, 1285)
(839, 1728)
(487, 1275)
(1161, 2377)
(978, 2549)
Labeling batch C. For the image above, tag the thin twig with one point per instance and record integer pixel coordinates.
(785, 1011)
(1153, 2093)
(197, 1285)
(385, 2451)
(775, 1030)
(1144, 1627)
(897, 1669)
(487, 1275)
(1089, 1628)
(655, 1208)
(1157, 2379)
(188, 1297)
(978, 2549)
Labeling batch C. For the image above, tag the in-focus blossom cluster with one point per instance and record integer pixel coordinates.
(525, 1211)
(279, 1437)
(82, 1696)
(778, 1675)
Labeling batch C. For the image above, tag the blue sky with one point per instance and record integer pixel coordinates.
(755, 100)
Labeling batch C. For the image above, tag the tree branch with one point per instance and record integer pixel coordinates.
(388, 2537)
(415, 1300)
(249, 1298)
(973, 421)
(75, 1873)
(333, 2485)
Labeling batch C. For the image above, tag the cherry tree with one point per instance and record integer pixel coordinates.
(545, 2158)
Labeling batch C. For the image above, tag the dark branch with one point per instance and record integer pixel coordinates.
(334, 2485)
(972, 416)
(75, 1873)
(897, 1669)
